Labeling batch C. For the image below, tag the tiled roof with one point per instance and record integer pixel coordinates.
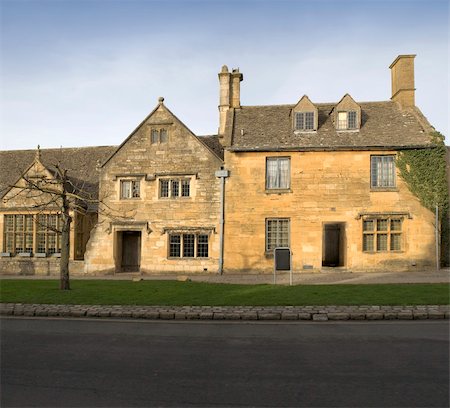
(212, 141)
(80, 162)
(383, 125)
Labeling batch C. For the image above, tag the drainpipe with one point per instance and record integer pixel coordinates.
(437, 238)
(222, 174)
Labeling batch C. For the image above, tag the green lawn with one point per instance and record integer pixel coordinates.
(101, 292)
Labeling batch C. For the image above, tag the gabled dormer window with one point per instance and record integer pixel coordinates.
(347, 120)
(304, 120)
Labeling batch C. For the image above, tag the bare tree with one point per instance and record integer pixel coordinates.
(53, 189)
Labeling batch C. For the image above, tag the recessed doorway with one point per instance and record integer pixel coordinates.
(129, 243)
(333, 248)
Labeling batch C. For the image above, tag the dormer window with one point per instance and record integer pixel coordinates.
(346, 120)
(304, 121)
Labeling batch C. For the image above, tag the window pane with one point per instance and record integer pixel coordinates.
(277, 234)
(51, 243)
(175, 188)
(382, 171)
(163, 136)
(52, 222)
(188, 245)
(164, 188)
(283, 233)
(9, 223)
(19, 243)
(368, 242)
(368, 225)
(202, 246)
(29, 223)
(185, 188)
(29, 243)
(309, 120)
(382, 242)
(9, 242)
(42, 222)
(396, 242)
(382, 225)
(175, 246)
(396, 225)
(19, 223)
(154, 136)
(125, 189)
(271, 173)
(40, 243)
(299, 120)
(352, 120)
(284, 173)
(136, 189)
(342, 120)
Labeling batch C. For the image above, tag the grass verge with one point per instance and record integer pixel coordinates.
(101, 292)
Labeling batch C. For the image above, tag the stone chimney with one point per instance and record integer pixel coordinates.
(402, 77)
(230, 94)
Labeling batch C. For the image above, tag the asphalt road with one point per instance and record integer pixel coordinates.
(90, 363)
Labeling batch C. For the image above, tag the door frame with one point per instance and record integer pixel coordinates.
(118, 248)
(342, 261)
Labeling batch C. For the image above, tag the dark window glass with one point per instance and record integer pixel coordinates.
(164, 188)
(185, 188)
(188, 245)
(175, 188)
(175, 246)
(202, 246)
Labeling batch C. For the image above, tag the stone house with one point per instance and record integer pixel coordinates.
(163, 201)
(319, 178)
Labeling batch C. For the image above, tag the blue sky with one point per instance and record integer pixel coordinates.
(80, 73)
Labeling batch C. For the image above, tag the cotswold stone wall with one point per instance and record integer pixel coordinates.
(182, 156)
(36, 266)
(326, 187)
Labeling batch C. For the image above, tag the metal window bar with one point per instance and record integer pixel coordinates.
(299, 120)
(309, 120)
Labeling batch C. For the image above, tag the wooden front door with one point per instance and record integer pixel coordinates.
(131, 251)
(331, 242)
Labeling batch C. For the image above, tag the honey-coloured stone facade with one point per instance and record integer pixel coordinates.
(183, 156)
(325, 188)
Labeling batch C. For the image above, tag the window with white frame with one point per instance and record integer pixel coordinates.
(188, 245)
(382, 171)
(382, 234)
(277, 173)
(304, 120)
(174, 188)
(158, 136)
(130, 189)
(347, 120)
(277, 233)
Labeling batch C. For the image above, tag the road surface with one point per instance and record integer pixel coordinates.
(106, 363)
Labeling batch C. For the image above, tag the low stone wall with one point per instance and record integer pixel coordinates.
(37, 266)
(292, 313)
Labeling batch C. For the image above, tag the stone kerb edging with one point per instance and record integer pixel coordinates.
(314, 313)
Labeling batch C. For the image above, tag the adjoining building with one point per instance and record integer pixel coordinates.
(319, 178)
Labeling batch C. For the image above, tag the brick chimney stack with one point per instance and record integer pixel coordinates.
(230, 94)
(402, 78)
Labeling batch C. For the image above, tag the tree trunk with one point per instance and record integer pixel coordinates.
(65, 252)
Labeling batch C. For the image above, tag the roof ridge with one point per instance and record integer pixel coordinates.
(57, 148)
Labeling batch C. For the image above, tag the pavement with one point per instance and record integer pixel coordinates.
(325, 277)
